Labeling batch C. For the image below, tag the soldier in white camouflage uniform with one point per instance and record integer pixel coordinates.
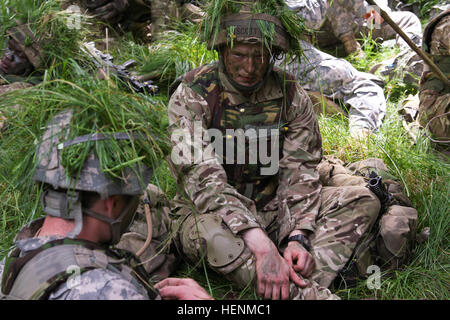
(344, 21)
(335, 78)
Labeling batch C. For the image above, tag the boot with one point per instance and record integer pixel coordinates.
(350, 44)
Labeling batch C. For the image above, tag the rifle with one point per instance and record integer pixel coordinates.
(105, 60)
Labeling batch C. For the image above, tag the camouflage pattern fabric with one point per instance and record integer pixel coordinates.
(434, 97)
(206, 181)
(345, 216)
(312, 11)
(26, 41)
(132, 15)
(390, 242)
(100, 283)
(157, 258)
(337, 79)
(97, 284)
(344, 17)
(335, 215)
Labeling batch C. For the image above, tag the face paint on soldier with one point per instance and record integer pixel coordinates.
(245, 63)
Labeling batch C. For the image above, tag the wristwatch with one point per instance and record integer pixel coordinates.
(302, 240)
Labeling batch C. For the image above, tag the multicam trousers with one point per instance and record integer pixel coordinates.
(346, 213)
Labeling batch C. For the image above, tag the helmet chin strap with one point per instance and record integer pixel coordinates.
(68, 207)
(119, 225)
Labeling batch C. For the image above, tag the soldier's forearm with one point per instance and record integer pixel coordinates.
(258, 242)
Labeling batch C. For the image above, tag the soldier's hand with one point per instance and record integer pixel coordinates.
(299, 258)
(108, 10)
(181, 289)
(272, 271)
(274, 275)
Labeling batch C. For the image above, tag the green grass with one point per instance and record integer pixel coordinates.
(424, 173)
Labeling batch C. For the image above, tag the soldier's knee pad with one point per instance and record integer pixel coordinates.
(206, 236)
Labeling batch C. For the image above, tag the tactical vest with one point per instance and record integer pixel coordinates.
(262, 118)
(429, 80)
(35, 275)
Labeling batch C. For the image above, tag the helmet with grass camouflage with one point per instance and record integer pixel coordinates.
(64, 198)
(28, 44)
(253, 21)
(91, 178)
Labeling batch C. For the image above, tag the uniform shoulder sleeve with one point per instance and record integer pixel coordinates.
(99, 284)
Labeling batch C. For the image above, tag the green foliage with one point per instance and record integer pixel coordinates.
(216, 9)
(103, 106)
(425, 6)
(98, 108)
(176, 53)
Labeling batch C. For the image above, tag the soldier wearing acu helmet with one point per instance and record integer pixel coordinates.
(84, 216)
(279, 231)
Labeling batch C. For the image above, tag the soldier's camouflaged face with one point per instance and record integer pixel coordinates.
(246, 63)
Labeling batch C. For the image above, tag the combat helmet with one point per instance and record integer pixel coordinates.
(63, 199)
(268, 22)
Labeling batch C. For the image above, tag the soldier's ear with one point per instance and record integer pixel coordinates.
(110, 205)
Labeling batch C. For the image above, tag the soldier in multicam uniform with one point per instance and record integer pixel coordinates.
(434, 95)
(389, 244)
(253, 228)
(66, 255)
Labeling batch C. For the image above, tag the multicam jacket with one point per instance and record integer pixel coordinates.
(206, 100)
